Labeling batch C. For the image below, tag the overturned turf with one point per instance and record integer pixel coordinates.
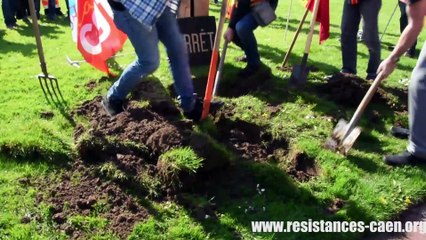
(121, 155)
(349, 90)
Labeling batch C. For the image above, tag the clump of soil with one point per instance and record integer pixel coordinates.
(335, 206)
(47, 115)
(92, 84)
(79, 192)
(302, 167)
(349, 90)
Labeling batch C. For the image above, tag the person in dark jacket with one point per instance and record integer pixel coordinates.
(240, 31)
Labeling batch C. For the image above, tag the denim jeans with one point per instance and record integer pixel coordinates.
(145, 43)
(417, 106)
(9, 10)
(369, 10)
(245, 39)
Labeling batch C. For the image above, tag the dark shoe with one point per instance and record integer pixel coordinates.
(338, 76)
(248, 71)
(197, 111)
(403, 159)
(400, 132)
(12, 26)
(59, 12)
(112, 106)
(370, 77)
(242, 58)
(410, 53)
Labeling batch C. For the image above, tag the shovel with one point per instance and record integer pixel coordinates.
(219, 72)
(213, 62)
(345, 134)
(300, 72)
(44, 78)
(287, 55)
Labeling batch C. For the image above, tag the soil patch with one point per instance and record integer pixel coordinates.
(335, 206)
(302, 167)
(92, 84)
(78, 192)
(349, 90)
(249, 141)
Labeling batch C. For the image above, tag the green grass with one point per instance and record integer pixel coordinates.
(371, 190)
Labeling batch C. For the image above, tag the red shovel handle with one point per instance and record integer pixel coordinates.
(213, 62)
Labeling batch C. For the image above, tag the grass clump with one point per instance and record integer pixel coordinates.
(178, 160)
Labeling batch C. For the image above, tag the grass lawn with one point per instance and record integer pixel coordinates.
(356, 187)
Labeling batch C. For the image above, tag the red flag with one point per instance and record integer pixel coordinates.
(323, 17)
(97, 36)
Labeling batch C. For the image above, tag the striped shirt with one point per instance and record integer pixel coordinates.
(148, 11)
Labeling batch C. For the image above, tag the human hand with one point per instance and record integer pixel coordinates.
(387, 66)
(229, 35)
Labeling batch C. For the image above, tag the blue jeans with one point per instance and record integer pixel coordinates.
(145, 43)
(245, 39)
(9, 10)
(369, 10)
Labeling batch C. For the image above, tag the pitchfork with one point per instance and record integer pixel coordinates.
(44, 77)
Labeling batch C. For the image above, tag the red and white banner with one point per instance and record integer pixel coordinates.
(97, 36)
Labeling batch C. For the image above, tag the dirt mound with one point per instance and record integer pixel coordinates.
(78, 192)
(302, 167)
(249, 141)
(349, 90)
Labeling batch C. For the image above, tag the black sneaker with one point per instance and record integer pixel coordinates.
(400, 132)
(242, 58)
(112, 106)
(403, 159)
(248, 71)
(410, 53)
(197, 111)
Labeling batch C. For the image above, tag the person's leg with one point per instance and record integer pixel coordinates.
(170, 35)
(51, 10)
(416, 149)
(145, 44)
(350, 22)
(37, 8)
(417, 106)
(370, 13)
(403, 22)
(244, 30)
(8, 13)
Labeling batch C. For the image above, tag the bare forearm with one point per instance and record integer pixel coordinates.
(416, 14)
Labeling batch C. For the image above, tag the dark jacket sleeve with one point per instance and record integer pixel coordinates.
(243, 8)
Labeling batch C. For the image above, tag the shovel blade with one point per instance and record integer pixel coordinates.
(345, 140)
(299, 75)
(349, 141)
(340, 130)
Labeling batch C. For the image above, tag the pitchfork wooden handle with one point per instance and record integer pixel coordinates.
(37, 37)
(365, 101)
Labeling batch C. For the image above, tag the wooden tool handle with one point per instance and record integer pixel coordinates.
(365, 101)
(287, 55)
(38, 38)
(219, 72)
(312, 27)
